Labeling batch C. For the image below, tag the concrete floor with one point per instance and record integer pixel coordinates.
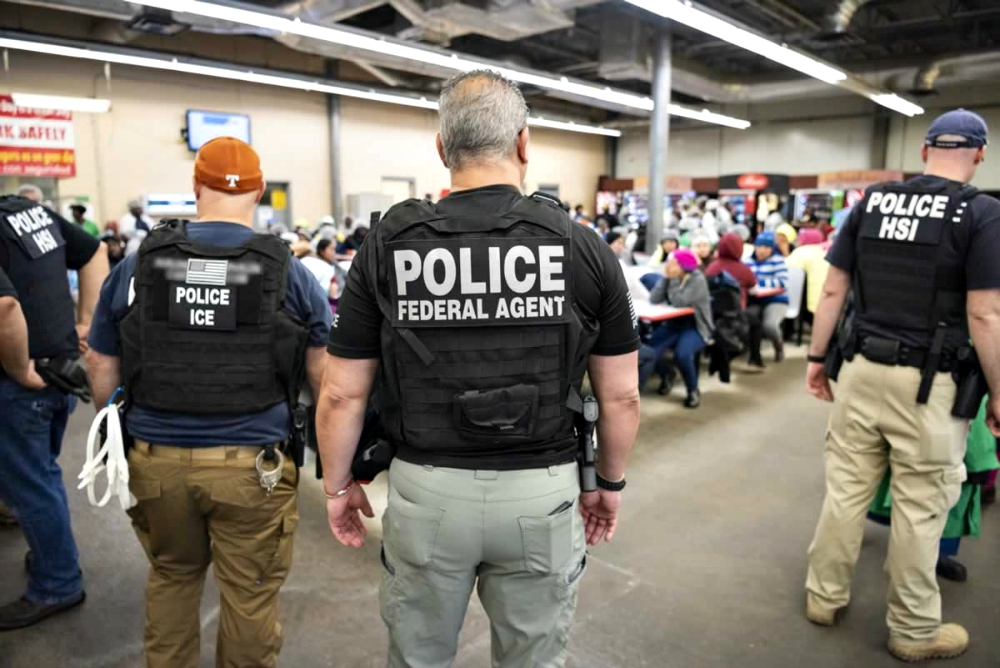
(706, 572)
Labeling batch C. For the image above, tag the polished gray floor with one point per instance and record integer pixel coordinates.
(706, 571)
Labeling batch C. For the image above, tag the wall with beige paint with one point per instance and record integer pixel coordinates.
(137, 147)
(384, 141)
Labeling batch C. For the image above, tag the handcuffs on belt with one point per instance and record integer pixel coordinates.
(269, 479)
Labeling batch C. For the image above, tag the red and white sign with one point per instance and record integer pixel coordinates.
(752, 181)
(36, 142)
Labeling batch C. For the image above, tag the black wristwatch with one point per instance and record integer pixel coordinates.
(816, 359)
(610, 486)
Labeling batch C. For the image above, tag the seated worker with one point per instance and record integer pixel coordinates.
(810, 256)
(730, 261)
(683, 286)
(784, 238)
(669, 242)
(771, 272)
(209, 346)
(701, 244)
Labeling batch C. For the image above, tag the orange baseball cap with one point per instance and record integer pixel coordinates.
(228, 165)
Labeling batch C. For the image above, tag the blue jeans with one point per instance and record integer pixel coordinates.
(683, 338)
(32, 423)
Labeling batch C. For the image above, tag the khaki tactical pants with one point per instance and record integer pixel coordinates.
(203, 505)
(516, 535)
(876, 422)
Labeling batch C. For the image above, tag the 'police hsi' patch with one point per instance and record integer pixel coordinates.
(480, 281)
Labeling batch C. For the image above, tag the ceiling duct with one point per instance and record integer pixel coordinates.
(329, 11)
(440, 21)
(839, 20)
(624, 52)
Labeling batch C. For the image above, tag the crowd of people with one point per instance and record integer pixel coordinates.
(733, 278)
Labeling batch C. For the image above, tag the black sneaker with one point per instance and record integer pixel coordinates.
(667, 382)
(693, 399)
(22, 612)
(950, 569)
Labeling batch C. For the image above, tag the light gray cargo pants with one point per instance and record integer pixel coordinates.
(446, 530)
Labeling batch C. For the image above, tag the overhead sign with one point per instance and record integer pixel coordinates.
(755, 181)
(857, 178)
(36, 142)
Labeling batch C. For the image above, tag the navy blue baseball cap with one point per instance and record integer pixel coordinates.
(961, 123)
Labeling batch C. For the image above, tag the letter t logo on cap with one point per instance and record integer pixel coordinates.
(233, 180)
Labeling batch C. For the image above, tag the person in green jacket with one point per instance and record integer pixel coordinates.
(964, 518)
(79, 217)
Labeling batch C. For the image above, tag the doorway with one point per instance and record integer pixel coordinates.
(275, 207)
(399, 188)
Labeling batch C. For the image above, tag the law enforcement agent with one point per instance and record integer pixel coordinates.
(207, 328)
(919, 259)
(38, 326)
(485, 310)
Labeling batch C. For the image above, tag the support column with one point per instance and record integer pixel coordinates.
(659, 137)
(336, 190)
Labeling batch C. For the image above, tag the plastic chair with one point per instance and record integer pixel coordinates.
(795, 289)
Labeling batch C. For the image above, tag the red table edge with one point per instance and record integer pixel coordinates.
(679, 313)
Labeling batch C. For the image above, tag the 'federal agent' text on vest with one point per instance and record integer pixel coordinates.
(486, 281)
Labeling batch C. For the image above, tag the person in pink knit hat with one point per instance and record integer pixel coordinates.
(684, 286)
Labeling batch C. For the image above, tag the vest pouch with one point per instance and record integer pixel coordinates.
(881, 351)
(503, 415)
(290, 342)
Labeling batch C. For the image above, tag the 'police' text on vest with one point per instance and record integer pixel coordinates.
(455, 282)
(35, 230)
(902, 213)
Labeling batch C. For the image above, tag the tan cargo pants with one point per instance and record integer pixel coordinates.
(876, 422)
(203, 505)
(517, 536)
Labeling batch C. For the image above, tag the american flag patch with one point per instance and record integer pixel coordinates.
(207, 272)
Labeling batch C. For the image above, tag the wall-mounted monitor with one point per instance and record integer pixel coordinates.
(204, 126)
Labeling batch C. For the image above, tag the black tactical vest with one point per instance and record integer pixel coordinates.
(911, 249)
(483, 348)
(207, 333)
(37, 253)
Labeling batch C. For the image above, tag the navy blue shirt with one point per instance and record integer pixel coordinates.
(305, 302)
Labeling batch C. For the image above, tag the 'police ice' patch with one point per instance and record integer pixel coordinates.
(479, 281)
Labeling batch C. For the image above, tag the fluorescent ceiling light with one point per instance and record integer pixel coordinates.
(439, 58)
(444, 59)
(709, 117)
(896, 103)
(61, 103)
(683, 12)
(173, 65)
(573, 127)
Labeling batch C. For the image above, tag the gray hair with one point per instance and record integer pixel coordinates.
(30, 191)
(482, 112)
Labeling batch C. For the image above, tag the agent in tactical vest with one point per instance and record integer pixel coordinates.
(210, 328)
(919, 259)
(37, 246)
(485, 310)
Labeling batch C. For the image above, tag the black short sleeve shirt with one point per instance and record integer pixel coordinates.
(599, 286)
(982, 270)
(6, 287)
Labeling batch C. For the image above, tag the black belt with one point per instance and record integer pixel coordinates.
(892, 353)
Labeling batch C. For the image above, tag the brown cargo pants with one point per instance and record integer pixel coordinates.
(197, 506)
(876, 423)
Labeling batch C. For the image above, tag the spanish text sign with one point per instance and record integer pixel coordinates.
(36, 142)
